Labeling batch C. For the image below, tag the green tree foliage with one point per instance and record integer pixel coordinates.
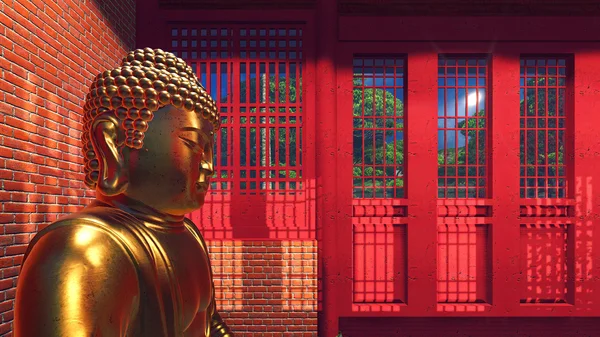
(542, 151)
(374, 135)
(548, 117)
(473, 129)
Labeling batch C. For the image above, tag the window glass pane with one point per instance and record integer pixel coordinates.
(378, 137)
(543, 127)
(462, 127)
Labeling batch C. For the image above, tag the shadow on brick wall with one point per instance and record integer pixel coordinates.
(120, 17)
(266, 288)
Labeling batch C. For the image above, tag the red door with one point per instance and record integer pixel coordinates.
(467, 178)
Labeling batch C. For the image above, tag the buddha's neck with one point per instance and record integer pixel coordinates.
(141, 210)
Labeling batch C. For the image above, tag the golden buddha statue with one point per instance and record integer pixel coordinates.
(130, 263)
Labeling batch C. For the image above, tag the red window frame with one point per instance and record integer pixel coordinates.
(503, 212)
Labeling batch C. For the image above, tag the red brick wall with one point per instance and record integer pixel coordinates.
(267, 288)
(50, 51)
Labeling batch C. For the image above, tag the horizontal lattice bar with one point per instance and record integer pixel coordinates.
(460, 211)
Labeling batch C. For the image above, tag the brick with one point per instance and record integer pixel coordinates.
(19, 197)
(4, 196)
(36, 159)
(21, 238)
(19, 102)
(6, 317)
(18, 186)
(12, 229)
(49, 208)
(6, 306)
(6, 218)
(6, 174)
(36, 139)
(21, 124)
(18, 207)
(22, 218)
(6, 240)
(36, 179)
(48, 189)
(20, 134)
(10, 293)
(21, 166)
(49, 152)
(71, 209)
(10, 272)
(21, 155)
(5, 327)
(7, 261)
(51, 171)
(37, 218)
(6, 152)
(16, 249)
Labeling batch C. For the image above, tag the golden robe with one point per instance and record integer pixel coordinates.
(106, 272)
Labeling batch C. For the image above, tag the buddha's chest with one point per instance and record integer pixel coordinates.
(190, 269)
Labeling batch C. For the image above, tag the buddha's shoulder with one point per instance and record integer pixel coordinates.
(77, 232)
(191, 227)
(74, 244)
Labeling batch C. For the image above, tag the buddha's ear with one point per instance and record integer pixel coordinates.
(113, 175)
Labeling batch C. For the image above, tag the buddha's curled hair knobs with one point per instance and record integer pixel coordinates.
(147, 80)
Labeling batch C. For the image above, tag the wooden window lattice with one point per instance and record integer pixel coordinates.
(462, 263)
(378, 107)
(462, 127)
(255, 76)
(379, 263)
(543, 127)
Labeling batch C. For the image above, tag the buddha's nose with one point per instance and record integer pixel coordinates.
(206, 164)
(207, 167)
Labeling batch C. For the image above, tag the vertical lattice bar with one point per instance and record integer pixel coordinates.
(462, 263)
(543, 84)
(379, 166)
(462, 127)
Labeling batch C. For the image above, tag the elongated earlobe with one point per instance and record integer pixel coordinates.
(112, 179)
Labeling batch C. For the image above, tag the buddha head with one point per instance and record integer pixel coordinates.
(148, 133)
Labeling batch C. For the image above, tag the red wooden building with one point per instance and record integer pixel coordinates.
(385, 168)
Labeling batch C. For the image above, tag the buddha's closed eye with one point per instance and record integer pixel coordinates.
(197, 148)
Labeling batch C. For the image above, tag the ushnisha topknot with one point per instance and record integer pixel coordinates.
(147, 80)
